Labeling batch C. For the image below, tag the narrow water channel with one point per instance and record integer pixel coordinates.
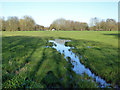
(79, 68)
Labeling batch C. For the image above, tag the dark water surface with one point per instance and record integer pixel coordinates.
(79, 68)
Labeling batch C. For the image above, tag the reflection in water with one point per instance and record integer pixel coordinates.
(88, 46)
(78, 67)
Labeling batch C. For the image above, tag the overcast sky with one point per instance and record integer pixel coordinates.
(44, 13)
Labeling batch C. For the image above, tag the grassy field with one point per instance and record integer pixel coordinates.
(28, 63)
(108, 37)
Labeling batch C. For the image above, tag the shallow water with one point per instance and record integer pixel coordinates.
(79, 68)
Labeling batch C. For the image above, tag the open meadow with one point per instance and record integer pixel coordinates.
(29, 61)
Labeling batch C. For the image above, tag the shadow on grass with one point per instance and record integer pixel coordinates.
(116, 35)
(36, 68)
(50, 80)
(20, 49)
(16, 47)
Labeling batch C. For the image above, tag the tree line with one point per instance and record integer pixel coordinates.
(27, 23)
(62, 24)
(104, 25)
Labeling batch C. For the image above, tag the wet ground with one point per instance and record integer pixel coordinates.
(78, 67)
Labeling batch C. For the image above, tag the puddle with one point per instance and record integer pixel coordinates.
(88, 47)
(79, 68)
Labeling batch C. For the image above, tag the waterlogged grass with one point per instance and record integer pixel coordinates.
(102, 59)
(27, 63)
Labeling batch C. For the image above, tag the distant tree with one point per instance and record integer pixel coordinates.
(22, 26)
(52, 26)
(46, 28)
(111, 24)
(83, 26)
(42, 27)
(67, 25)
(119, 26)
(94, 23)
(27, 23)
(108, 25)
(2, 24)
(39, 27)
(77, 26)
(12, 24)
(58, 24)
(103, 25)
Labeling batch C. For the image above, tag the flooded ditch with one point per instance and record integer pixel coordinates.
(79, 68)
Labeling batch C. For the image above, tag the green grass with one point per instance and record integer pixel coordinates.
(107, 37)
(27, 63)
(102, 59)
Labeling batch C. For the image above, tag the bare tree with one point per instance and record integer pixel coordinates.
(94, 23)
(58, 24)
(62, 24)
(108, 25)
(39, 27)
(111, 24)
(27, 24)
(12, 23)
(2, 24)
